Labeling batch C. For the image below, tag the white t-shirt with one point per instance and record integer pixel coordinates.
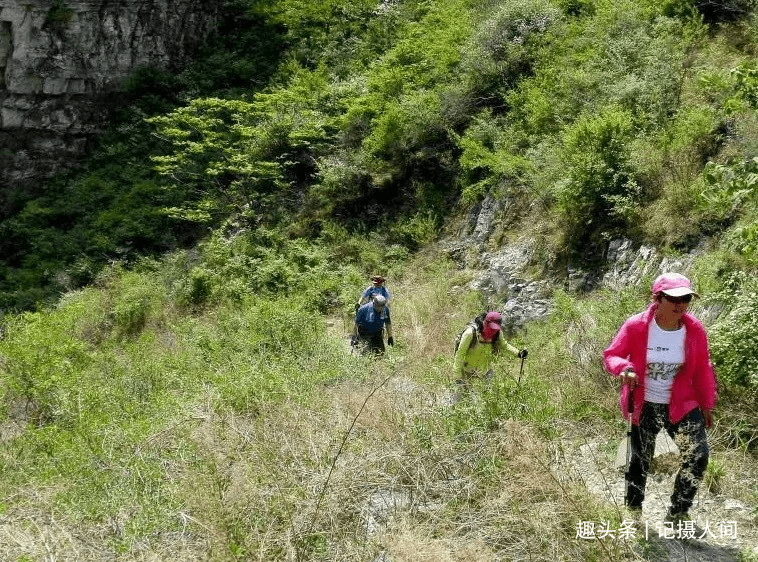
(665, 354)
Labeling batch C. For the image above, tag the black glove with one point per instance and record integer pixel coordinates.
(353, 340)
(390, 341)
(522, 354)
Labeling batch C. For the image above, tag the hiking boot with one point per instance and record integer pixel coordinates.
(683, 525)
(462, 389)
(677, 516)
(463, 385)
(634, 514)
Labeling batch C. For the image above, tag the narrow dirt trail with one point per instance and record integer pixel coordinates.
(724, 526)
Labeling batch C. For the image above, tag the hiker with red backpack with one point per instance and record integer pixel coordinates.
(662, 357)
(477, 344)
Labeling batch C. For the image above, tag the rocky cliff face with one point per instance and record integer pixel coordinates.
(501, 272)
(61, 61)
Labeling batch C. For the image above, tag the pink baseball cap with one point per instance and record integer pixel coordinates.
(673, 285)
(493, 320)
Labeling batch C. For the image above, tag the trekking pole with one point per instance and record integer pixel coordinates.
(521, 372)
(630, 411)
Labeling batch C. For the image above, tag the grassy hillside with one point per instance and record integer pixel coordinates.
(176, 380)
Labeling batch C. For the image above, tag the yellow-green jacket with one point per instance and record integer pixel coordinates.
(474, 354)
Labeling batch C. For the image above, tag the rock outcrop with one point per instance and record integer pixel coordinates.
(500, 272)
(61, 62)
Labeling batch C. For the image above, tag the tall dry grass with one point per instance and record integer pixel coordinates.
(348, 458)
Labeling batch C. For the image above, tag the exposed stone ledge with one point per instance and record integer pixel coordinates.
(501, 273)
(58, 61)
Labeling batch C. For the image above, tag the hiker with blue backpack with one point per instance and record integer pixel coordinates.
(371, 321)
(476, 346)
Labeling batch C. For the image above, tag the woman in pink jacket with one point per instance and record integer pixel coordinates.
(662, 358)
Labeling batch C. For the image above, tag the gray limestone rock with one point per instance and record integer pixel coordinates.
(59, 62)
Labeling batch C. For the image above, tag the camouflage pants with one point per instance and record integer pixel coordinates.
(653, 418)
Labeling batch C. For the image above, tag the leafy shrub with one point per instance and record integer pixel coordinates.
(727, 188)
(138, 299)
(235, 156)
(402, 131)
(599, 190)
(60, 240)
(503, 398)
(415, 232)
(712, 11)
(488, 157)
(671, 165)
(327, 272)
(745, 80)
(503, 48)
(241, 56)
(743, 241)
(210, 160)
(577, 7)
(644, 66)
(196, 288)
(623, 55)
(400, 116)
(342, 177)
(45, 379)
(735, 91)
(734, 338)
(336, 31)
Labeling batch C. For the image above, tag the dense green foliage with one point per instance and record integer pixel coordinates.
(383, 117)
(303, 121)
(183, 274)
(615, 117)
(734, 336)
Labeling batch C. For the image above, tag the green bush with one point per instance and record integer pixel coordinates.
(728, 188)
(745, 80)
(712, 11)
(489, 157)
(503, 48)
(743, 241)
(415, 232)
(336, 31)
(234, 156)
(138, 299)
(328, 272)
(404, 131)
(578, 7)
(342, 177)
(734, 337)
(44, 380)
(670, 167)
(599, 191)
(493, 402)
(196, 288)
(623, 55)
